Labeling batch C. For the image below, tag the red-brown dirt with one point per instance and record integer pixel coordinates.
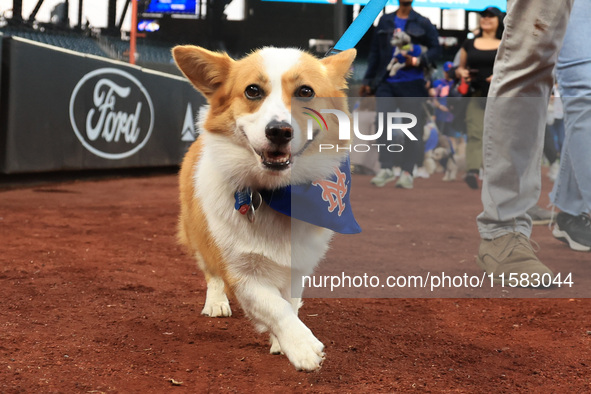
(96, 296)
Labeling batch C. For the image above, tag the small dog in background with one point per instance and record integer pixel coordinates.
(403, 47)
(250, 143)
(448, 161)
(431, 141)
(439, 153)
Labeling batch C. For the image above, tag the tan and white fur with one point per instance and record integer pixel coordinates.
(235, 149)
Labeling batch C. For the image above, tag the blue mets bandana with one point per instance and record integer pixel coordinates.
(322, 203)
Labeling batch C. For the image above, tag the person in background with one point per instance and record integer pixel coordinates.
(445, 92)
(477, 58)
(441, 90)
(407, 82)
(445, 100)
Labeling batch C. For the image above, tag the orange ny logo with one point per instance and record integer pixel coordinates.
(333, 192)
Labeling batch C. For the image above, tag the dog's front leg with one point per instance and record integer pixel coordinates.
(296, 303)
(216, 301)
(263, 303)
(256, 283)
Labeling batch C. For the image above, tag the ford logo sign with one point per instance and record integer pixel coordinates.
(111, 113)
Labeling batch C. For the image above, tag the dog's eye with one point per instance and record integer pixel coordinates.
(305, 92)
(253, 92)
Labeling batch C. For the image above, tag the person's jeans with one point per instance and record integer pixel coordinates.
(515, 115)
(572, 189)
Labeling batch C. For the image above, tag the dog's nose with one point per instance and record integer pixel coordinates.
(279, 133)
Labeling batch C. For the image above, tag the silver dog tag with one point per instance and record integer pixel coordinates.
(250, 214)
(256, 200)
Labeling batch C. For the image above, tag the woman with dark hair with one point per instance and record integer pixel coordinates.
(477, 58)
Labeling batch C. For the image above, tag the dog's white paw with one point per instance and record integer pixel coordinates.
(275, 346)
(217, 309)
(302, 349)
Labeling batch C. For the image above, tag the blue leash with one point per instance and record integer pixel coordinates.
(359, 27)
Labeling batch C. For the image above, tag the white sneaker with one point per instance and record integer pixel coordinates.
(421, 172)
(397, 171)
(405, 181)
(384, 176)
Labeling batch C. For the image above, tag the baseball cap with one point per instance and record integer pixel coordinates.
(491, 11)
(448, 66)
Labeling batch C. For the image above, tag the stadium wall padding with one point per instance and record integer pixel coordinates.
(2, 109)
(63, 110)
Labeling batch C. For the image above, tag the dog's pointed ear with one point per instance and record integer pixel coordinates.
(339, 66)
(205, 69)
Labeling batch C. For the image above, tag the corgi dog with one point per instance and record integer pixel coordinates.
(249, 141)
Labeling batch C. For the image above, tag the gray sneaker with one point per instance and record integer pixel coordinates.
(540, 215)
(512, 256)
(405, 181)
(384, 176)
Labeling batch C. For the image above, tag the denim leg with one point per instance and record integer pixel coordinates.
(572, 189)
(515, 115)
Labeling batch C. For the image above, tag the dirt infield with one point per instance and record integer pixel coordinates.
(96, 296)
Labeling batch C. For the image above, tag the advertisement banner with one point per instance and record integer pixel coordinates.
(2, 110)
(67, 111)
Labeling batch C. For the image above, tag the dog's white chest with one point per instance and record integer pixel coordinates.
(288, 243)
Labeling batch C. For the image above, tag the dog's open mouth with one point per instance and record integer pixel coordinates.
(276, 160)
(279, 157)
